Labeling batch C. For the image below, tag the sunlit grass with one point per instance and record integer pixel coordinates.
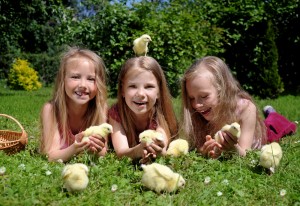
(236, 181)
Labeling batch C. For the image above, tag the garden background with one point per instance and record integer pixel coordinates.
(259, 40)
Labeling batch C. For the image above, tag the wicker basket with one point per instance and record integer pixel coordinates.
(12, 141)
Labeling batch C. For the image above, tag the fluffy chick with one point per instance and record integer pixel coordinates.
(234, 129)
(148, 136)
(270, 156)
(75, 177)
(160, 178)
(103, 130)
(178, 147)
(140, 45)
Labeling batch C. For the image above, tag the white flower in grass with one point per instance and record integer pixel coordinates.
(2, 170)
(297, 141)
(48, 172)
(253, 163)
(22, 167)
(60, 161)
(225, 182)
(114, 187)
(207, 180)
(282, 192)
(296, 122)
(219, 193)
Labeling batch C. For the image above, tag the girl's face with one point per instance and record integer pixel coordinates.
(203, 94)
(80, 81)
(140, 90)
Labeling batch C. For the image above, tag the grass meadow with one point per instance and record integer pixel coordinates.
(31, 180)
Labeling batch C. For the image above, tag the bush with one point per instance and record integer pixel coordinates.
(23, 77)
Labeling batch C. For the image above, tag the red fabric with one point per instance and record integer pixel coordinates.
(278, 126)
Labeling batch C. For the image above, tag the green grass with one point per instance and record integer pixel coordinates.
(239, 179)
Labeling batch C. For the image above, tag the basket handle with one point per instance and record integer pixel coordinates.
(23, 138)
(10, 117)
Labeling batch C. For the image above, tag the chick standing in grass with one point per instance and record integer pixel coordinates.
(178, 147)
(75, 177)
(270, 156)
(140, 45)
(161, 178)
(103, 130)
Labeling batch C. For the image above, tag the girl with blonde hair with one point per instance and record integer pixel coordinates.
(143, 102)
(211, 98)
(79, 101)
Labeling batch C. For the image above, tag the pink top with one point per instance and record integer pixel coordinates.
(70, 139)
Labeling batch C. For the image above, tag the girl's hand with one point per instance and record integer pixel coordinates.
(97, 143)
(228, 141)
(157, 148)
(80, 146)
(211, 148)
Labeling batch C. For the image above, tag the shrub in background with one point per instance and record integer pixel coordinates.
(22, 77)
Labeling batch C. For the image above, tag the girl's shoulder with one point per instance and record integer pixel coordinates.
(245, 104)
(47, 107)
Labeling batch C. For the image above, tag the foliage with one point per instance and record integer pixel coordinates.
(23, 77)
(232, 30)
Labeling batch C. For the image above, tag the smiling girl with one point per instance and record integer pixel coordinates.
(144, 102)
(212, 97)
(79, 101)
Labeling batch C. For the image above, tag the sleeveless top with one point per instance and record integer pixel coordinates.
(69, 140)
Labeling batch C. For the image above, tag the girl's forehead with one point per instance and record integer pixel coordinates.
(136, 71)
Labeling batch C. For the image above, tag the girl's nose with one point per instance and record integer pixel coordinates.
(82, 83)
(198, 104)
(140, 92)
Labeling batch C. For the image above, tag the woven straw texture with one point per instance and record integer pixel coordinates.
(12, 142)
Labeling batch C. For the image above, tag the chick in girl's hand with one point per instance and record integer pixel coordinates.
(234, 129)
(178, 147)
(149, 136)
(270, 156)
(103, 130)
(160, 178)
(75, 177)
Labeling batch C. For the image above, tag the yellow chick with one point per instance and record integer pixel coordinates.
(103, 130)
(234, 129)
(148, 136)
(178, 147)
(270, 156)
(140, 45)
(75, 177)
(160, 178)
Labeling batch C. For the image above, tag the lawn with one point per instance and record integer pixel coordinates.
(31, 180)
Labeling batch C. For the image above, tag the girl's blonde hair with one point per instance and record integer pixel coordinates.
(162, 112)
(229, 91)
(97, 108)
